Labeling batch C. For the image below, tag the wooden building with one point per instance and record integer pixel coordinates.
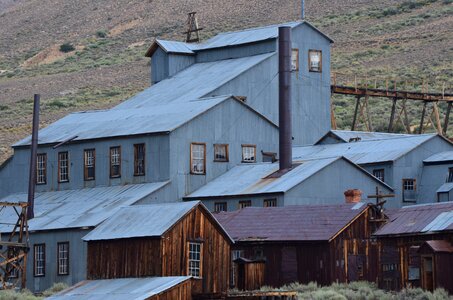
(173, 239)
(323, 243)
(415, 248)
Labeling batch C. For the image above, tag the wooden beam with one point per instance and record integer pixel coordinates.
(422, 120)
(392, 115)
(358, 91)
(354, 120)
(437, 118)
(368, 115)
(447, 118)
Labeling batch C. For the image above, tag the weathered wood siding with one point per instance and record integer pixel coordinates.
(182, 291)
(137, 257)
(197, 225)
(250, 276)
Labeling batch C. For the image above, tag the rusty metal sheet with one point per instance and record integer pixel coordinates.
(440, 246)
(289, 223)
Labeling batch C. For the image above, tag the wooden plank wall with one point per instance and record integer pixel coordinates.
(182, 291)
(215, 257)
(137, 257)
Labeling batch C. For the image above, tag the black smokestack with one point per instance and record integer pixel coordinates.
(284, 97)
(34, 150)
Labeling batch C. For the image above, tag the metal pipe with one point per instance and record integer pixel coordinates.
(303, 9)
(34, 150)
(284, 96)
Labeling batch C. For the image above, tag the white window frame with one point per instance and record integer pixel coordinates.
(63, 258)
(39, 252)
(248, 153)
(89, 161)
(311, 66)
(41, 168)
(63, 166)
(379, 174)
(221, 150)
(294, 59)
(115, 160)
(198, 158)
(139, 159)
(194, 262)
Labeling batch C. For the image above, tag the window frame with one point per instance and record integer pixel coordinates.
(60, 180)
(403, 190)
(136, 160)
(310, 69)
(85, 166)
(227, 158)
(67, 258)
(44, 169)
(242, 202)
(296, 51)
(191, 158)
(450, 175)
(111, 162)
(224, 203)
(379, 170)
(199, 260)
(243, 146)
(35, 267)
(270, 200)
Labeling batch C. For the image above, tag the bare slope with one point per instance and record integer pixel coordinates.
(382, 38)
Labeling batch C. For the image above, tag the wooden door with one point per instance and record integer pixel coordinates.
(289, 265)
(427, 273)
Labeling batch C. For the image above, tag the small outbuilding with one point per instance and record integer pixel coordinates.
(303, 243)
(158, 240)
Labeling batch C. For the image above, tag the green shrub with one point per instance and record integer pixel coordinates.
(67, 47)
(55, 288)
(101, 34)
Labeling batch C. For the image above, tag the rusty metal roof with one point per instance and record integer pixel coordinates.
(289, 223)
(419, 219)
(119, 289)
(439, 246)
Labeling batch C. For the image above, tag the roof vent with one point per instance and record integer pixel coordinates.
(355, 139)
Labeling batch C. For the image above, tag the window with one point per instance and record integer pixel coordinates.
(139, 159)
(194, 259)
(89, 162)
(41, 168)
(220, 206)
(115, 162)
(221, 152)
(248, 153)
(245, 203)
(198, 158)
(294, 59)
(450, 175)
(63, 167)
(409, 190)
(379, 174)
(270, 202)
(39, 260)
(235, 254)
(63, 258)
(315, 60)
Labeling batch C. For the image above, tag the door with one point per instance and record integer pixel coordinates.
(427, 273)
(355, 267)
(289, 265)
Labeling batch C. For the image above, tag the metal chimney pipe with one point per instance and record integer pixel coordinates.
(284, 97)
(34, 150)
(303, 9)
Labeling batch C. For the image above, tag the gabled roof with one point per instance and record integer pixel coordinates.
(345, 136)
(289, 223)
(77, 208)
(228, 39)
(152, 220)
(365, 152)
(419, 219)
(120, 289)
(251, 179)
(439, 158)
(438, 246)
(162, 118)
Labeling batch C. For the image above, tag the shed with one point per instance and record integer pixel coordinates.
(436, 264)
(406, 238)
(249, 273)
(171, 239)
(303, 243)
(148, 288)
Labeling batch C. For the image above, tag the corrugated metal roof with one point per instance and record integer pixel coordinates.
(346, 135)
(176, 47)
(446, 156)
(119, 289)
(306, 222)
(416, 219)
(249, 179)
(162, 107)
(125, 122)
(77, 208)
(446, 187)
(372, 151)
(141, 221)
(440, 246)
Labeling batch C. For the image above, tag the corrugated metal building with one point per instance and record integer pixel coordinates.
(172, 239)
(321, 243)
(316, 181)
(415, 247)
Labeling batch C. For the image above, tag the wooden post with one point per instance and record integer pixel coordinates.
(437, 118)
(370, 125)
(354, 120)
(422, 120)
(407, 124)
(447, 118)
(392, 115)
